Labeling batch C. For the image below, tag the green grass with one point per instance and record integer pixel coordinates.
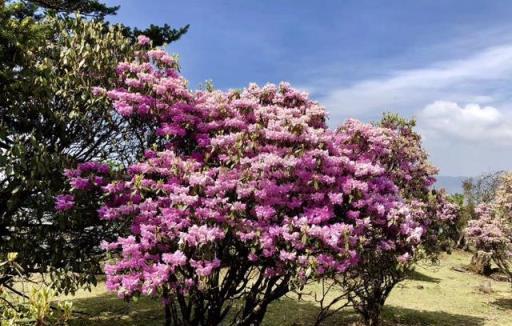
(434, 296)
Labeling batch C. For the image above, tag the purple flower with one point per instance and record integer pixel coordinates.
(205, 268)
(287, 256)
(80, 183)
(64, 202)
(175, 259)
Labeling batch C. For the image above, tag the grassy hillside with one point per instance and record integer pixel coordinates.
(435, 296)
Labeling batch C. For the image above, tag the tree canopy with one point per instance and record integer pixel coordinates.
(50, 59)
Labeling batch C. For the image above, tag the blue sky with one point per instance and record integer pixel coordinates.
(446, 63)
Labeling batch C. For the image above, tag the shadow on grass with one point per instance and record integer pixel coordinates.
(417, 276)
(109, 310)
(410, 317)
(288, 312)
(503, 303)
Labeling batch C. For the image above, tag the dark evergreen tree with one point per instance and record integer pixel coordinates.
(50, 59)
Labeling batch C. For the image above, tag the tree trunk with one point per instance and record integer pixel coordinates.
(461, 242)
(167, 308)
(371, 314)
(481, 263)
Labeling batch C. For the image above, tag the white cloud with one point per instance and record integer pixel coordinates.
(471, 122)
(462, 140)
(466, 139)
(479, 77)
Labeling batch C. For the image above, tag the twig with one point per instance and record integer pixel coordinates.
(9, 303)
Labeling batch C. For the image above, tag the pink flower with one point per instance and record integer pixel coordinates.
(205, 268)
(265, 212)
(405, 258)
(80, 183)
(143, 40)
(123, 108)
(287, 256)
(64, 202)
(175, 259)
(130, 284)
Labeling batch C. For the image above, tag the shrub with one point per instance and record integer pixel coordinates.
(491, 232)
(244, 195)
(421, 226)
(36, 309)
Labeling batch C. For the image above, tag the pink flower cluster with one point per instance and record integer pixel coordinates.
(64, 202)
(492, 230)
(489, 231)
(87, 176)
(252, 176)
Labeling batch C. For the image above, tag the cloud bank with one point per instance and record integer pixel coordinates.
(472, 122)
(480, 78)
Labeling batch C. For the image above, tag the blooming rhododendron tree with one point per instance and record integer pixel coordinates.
(491, 232)
(416, 228)
(245, 194)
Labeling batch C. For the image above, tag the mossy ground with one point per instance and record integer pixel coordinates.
(434, 296)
